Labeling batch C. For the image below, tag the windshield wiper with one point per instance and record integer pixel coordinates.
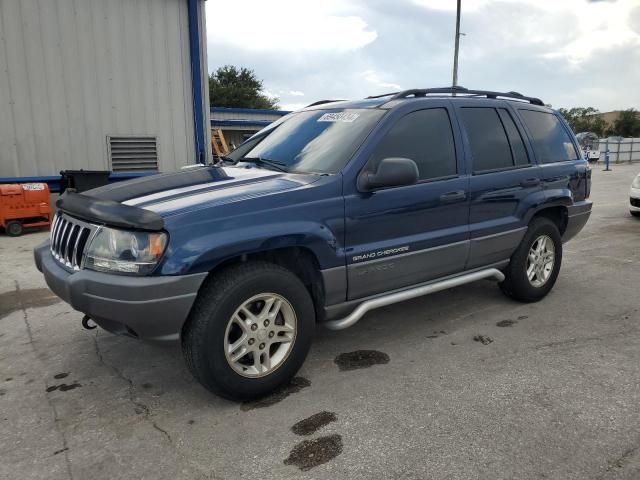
(276, 164)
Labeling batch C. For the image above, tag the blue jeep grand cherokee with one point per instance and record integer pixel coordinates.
(332, 211)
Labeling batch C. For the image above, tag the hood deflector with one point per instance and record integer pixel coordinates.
(109, 212)
(102, 205)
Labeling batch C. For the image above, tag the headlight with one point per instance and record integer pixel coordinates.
(122, 251)
(636, 182)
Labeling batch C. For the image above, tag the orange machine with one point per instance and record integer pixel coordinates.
(24, 205)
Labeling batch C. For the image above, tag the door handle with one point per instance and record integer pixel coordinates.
(530, 182)
(454, 196)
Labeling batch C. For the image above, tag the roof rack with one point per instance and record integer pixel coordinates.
(422, 92)
(382, 95)
(322, 102)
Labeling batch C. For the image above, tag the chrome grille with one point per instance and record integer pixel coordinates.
(68, 238)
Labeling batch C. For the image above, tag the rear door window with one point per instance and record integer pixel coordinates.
(424, 136)
(550, 139)
(490, 149)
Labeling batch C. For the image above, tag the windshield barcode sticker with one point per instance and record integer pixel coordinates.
(339, 117)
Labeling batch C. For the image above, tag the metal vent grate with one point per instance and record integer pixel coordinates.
(133, 154)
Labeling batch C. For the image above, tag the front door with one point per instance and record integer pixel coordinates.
(401, 236)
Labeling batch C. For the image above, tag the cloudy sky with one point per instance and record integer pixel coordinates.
(567, 52)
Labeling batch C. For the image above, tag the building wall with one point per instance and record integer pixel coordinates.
(235, 137)
(75, 71)
(245, 114)
(237, 124)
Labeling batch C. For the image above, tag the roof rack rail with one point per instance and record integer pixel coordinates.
(322, 102)
(423, 92)
(382, 95)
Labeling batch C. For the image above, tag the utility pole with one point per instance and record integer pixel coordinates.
(457, 47)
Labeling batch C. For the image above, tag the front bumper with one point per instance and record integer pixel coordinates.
(150, 308)
(634, 199)
(577, 217)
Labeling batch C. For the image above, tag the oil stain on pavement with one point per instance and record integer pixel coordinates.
(296, 384)
(437, 334)
(313, 423)
(483, 339)
(63, 387)
(360, 359)
(506, 323)
(30, 298)
(311, 453)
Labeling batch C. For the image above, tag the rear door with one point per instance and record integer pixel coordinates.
(563, 172)
(504, 180)
(402, 236)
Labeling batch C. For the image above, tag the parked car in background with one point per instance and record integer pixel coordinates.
(634, 197)
(589, 143)
(330, 212)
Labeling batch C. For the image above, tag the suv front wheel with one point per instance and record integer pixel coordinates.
(535, 265)
(249, 331)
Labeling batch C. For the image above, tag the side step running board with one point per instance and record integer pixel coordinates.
(403, 295)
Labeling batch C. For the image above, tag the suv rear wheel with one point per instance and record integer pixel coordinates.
(535, 265)
(249, 331)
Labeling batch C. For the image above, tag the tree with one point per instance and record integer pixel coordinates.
(230, 86)
(584, 119)
(627, 124)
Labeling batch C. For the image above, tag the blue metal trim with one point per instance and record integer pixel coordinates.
(196, 79)
(261, 111)
(241, 123)
(43, 179)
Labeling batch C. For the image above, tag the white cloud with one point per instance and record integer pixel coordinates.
(567, 52)
(286, 26)
(594, 24)
(296, 93)
(451, 5)
(376, 80)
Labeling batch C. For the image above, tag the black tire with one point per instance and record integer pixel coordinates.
(635, 214)
(204, 333)
(14, 228)
(516, 284)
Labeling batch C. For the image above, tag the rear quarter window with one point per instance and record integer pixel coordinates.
(549, 138)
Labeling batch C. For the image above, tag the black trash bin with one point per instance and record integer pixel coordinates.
(83, 180)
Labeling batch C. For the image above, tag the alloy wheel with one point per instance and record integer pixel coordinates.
(260, 335)
(540, 261)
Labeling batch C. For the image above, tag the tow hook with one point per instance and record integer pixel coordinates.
(85, 323)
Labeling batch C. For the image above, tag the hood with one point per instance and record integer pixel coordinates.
(144, 202)
(169, 194)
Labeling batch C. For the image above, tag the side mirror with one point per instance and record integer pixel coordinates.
(391, 172)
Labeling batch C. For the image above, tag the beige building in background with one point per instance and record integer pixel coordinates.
(610, 117)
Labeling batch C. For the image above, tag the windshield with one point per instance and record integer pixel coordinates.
(319, 141)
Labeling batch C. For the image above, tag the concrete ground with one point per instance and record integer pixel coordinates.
(554, 395)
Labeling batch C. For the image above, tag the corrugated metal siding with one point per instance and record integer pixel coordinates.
(73, 72)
